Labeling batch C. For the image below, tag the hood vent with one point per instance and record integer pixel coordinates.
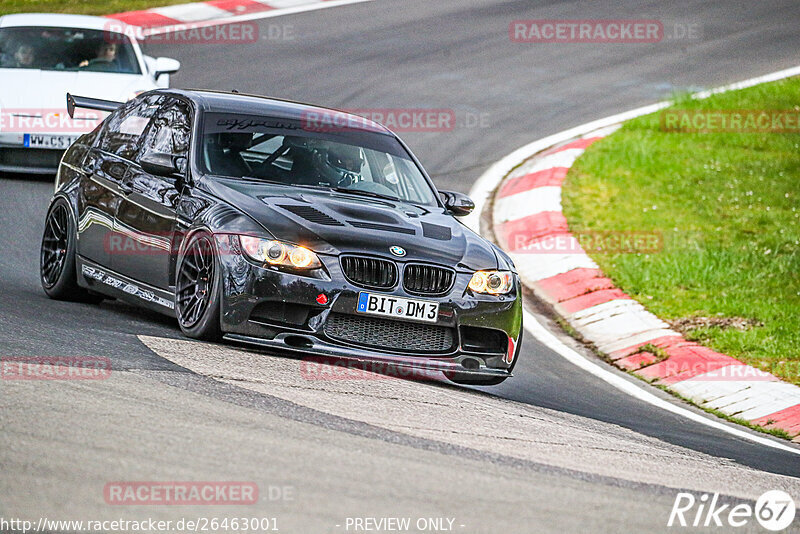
(434, 231)
(312, 215)
(372, 215)
(382, 227)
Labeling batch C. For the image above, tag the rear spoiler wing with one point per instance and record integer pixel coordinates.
(89, 103)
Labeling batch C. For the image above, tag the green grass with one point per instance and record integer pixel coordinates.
(727, 206)
(82, 7)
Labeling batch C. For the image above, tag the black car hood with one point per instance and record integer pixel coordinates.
(329, 222)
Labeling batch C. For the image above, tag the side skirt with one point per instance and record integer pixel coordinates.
(107, 282)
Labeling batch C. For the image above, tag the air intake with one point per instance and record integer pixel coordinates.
(373, 273)
(434, 231)
(427, 279)
(392, 335)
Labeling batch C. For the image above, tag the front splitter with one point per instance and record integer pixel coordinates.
(319, 348)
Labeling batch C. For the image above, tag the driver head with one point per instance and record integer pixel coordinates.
(107, 51)
(340, 164)
(234, 141)
(345, 158)
(24, 54)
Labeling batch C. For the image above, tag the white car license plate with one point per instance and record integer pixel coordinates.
(397, 308)
(48, 141)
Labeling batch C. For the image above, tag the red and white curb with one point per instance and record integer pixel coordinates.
(221, 11)
(526, 216)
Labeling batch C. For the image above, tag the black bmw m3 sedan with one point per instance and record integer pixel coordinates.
(280, 225)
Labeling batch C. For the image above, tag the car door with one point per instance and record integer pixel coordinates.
(146, 214)
(102, 189)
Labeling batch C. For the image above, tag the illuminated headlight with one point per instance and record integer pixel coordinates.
(492, 282)
(279, 253)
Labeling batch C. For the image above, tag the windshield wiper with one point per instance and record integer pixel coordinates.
(336, 189)
(263, 180)
(279, 182)
(365, 193)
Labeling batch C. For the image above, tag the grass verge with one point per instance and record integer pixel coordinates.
(727, 207)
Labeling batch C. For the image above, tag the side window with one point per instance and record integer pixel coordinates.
(170, 131)
(125, 126)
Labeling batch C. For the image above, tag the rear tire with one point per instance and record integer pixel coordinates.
(197, 289)
(57, 265)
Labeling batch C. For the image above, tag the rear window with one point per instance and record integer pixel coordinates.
(71, 49)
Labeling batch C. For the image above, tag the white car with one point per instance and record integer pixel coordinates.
(45, 56)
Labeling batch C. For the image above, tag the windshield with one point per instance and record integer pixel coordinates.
(47, 48)
(280, 150)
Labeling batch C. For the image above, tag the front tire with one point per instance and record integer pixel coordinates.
(197, 292)
(57, 270)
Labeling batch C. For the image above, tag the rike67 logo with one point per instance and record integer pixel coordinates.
(774, 510)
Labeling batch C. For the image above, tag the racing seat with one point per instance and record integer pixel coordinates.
(223, 154)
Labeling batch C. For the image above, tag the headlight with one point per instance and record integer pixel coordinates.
(492, 282)
(279, 253)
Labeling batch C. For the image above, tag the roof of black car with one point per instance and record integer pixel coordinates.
(228, 102)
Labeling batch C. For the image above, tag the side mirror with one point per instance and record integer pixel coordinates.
(165, 65)
(162, 164)
(458, 203)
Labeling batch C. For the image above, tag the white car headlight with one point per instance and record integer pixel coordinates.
(492, 282)
(134, 94)
(279, 253)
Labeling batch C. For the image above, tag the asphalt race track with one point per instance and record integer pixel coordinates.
(552, 449)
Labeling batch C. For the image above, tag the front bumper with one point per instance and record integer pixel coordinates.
(15, 156)
(289, 341)
(18, 158)
(266, 307)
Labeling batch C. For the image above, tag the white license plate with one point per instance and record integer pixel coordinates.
(48, 141)
(397, 308)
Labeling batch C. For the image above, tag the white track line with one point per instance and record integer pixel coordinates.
(490, 180)
(534, 327)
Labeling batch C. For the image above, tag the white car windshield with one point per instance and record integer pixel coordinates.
(74, 49)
